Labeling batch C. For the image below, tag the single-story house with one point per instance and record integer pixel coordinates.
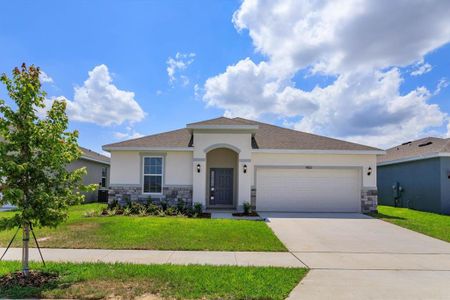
(223, 163)
(416, 175)
(97, 167)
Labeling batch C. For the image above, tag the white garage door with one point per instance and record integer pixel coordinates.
(308, 190)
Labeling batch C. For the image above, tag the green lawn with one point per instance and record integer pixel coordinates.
(99, 280)
(161, 233)
(431, 224)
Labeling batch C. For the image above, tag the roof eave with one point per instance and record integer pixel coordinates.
(134, 148)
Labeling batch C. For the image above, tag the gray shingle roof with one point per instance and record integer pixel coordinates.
(417, 148)
(266, 137)
(172, 139)
(89, 154)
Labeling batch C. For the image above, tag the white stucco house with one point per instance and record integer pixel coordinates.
(223, 163)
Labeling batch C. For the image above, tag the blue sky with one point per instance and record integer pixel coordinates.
(282, 81)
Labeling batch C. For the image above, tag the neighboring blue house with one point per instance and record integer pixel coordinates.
(416, 175)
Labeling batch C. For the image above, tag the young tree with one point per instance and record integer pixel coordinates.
(34, 153)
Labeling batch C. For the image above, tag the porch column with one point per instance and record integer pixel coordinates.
(199, 180)
(244, 184)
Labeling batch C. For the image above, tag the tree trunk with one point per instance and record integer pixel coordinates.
(25, 249)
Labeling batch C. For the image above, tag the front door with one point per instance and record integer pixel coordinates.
(221, 187)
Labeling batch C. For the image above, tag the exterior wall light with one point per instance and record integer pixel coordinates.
(245, 169)
(198, 168)
(369, 171)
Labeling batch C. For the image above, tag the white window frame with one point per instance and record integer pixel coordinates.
(143, 174)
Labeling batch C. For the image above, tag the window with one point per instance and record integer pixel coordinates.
(104, 174)
(153, 173)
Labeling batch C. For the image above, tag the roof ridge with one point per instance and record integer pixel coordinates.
(213, 119)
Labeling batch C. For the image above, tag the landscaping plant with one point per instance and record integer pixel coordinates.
(247, 208)
(35, 149)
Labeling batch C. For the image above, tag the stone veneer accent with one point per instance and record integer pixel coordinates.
(171, 194)
(369, 200)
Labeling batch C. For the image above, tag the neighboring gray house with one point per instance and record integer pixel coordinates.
(416, 175)
(97, 167)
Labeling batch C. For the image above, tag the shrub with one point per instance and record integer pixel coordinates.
(152, 209)
(247, 208)
(112, 212)
(160, 213)
(198, 208)
(171, 211)
(127, 211)
(136, 208)
(163, 204)
(113, 204)
(91, 213)
(180, 205)
(142, 211)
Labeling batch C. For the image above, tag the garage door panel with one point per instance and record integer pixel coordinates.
(308, 190)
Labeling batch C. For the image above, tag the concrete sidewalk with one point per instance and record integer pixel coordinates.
(276, 259)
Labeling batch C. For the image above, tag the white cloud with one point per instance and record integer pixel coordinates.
(129, 134)
(442, 84)
(44, 78)
(421, 68)
(249, 90)
(368, 108)
(99, 101)
(340, 36)
(360, 43)
(177, 65)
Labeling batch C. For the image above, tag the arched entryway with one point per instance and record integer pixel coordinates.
(222, 178)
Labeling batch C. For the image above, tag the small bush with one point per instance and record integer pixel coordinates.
(91, 213)
(171, 211)
(160, 213)
(180, 204)
(198, 208)
(112, 212)
(152, 209)
(247, 208)
(113, 204)
(127, 211)
(163, 204)
(142, 211)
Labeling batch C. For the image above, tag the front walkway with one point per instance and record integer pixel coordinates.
(277, 259)
(353, 256)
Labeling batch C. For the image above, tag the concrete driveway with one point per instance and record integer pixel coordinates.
(353, 256)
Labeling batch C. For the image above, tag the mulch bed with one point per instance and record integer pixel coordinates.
(34, 279)
(204, 216)
(251, 214)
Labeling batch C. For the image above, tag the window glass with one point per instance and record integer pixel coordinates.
(152, 184)
(152, 174)
(152, 165)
